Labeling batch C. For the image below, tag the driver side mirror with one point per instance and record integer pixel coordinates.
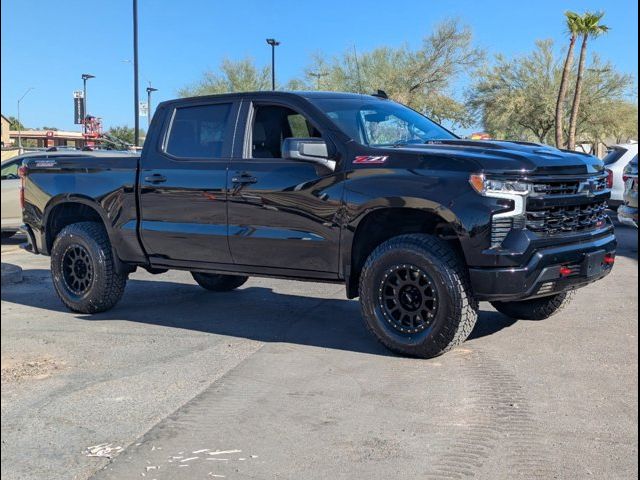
(313, 150)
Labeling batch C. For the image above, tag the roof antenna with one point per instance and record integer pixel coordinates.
(380, 94)
(355, 54)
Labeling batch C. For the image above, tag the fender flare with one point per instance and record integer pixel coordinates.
(351, 226)
(67, 198)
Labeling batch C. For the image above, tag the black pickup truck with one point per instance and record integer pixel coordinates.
(327, 187)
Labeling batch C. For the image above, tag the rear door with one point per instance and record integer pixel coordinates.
(183, 183)
(282, 212)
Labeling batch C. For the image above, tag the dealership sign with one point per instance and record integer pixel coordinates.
(78, 107)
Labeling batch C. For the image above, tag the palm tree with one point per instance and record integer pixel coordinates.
(573, 22)
(588, 26)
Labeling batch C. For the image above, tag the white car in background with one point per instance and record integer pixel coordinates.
(11, 210)
(615, 161)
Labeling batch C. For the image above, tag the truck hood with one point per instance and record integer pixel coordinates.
(509, 158)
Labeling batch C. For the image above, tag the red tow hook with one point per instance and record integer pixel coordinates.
(565, 271)
(609, 259)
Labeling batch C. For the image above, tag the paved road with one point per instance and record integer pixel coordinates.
(282, 377)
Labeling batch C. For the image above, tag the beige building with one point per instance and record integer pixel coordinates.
(48, 138)
(5, 131)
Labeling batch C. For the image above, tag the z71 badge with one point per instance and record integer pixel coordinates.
(370, 159)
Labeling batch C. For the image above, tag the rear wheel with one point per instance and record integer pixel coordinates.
(536, 308)
(83, 269)
(218, 283)
(415, 296)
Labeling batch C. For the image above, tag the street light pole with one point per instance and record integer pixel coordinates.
(149, 90)
(136, 95)
(318, 76)
(85, 77)
(19, 123)
(274, 43)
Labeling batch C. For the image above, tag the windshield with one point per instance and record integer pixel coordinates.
(381, 123)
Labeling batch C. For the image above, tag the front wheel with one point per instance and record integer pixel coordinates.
(218, 283)
(415, 296)
(536, 308)
(83, 269)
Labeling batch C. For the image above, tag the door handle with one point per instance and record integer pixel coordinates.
(244, 178)
(155, 178)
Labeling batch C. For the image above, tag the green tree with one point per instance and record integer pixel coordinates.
(233, 76)
(422, 78)
(589, 26)
(573, 22)
(14, 124)
(516, 98)
(123, 133)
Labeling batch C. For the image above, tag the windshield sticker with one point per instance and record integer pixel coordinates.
(46, 163)
(370, 159)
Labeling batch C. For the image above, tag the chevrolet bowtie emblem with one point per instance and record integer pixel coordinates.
(588, 187)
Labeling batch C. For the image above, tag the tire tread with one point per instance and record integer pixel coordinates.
(459, 326)
(536, 308)
(114, 282)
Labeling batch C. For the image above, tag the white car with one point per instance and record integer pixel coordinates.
(615, 161)
(11, 210)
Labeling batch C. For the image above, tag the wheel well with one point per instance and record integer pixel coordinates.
(65, 214)
(381, 225)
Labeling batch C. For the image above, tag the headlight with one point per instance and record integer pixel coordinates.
(516, 191)
(498, 188)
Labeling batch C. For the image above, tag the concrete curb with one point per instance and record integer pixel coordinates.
(11, 274)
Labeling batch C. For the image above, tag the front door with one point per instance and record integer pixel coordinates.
(282, 212)
(183, 182)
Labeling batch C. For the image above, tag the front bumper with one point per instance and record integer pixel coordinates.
(628, 215)
(541, 276)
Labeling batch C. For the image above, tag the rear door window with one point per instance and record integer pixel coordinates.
(199, 131)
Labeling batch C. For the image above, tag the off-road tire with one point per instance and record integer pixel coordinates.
(457, 309)
(536, 308)
(219, 283)
(106, 285)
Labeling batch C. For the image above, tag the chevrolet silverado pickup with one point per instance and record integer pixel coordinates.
(418, 223)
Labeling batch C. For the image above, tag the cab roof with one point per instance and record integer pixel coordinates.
(269, 94)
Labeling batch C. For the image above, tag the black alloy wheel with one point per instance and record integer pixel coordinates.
(408, 299)
(83, 268)
(77, 269)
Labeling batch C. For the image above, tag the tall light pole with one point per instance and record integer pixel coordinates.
(318, 76)
(149, 90)
(274, 43)
(136, 95)
(19, 123)
(85, 77)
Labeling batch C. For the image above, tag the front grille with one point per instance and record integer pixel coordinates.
(563, 188)
(557, 220)
(556, 207)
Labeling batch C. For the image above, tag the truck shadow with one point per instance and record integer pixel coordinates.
(253, 312)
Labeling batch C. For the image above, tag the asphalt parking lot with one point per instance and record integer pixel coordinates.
(280, 380)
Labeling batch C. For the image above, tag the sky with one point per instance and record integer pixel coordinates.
(48, 45)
